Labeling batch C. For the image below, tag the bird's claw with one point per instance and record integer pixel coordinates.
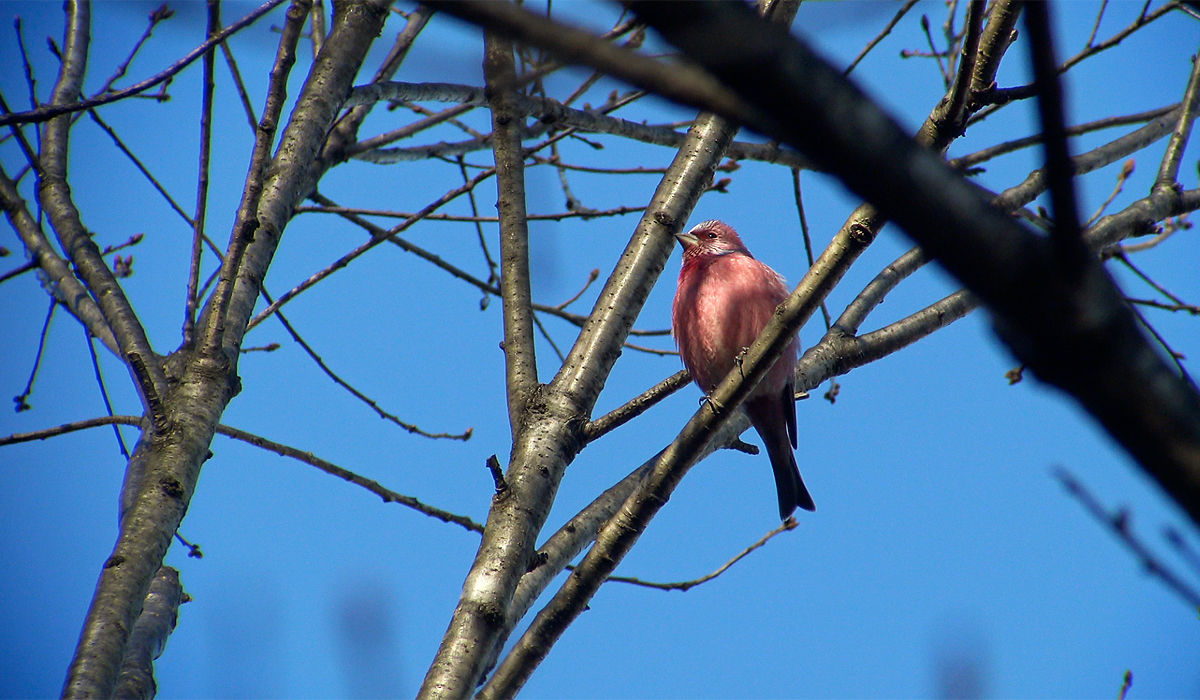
(716, 406)
(737, 359)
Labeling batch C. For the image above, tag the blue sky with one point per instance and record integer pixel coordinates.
(941, 540)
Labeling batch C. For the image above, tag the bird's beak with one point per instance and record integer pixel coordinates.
(687, 240)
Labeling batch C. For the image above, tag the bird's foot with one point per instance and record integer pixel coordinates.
(737, 359)
(716, 406)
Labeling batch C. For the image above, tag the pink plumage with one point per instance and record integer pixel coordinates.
(725, 298)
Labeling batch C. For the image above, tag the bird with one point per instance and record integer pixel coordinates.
(724, 299)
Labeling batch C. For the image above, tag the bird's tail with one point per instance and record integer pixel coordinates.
(789, 485)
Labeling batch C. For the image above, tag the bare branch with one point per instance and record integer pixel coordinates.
(55, 196)
(410, 427)
(1168, 172)
(192, 303)
(374, 487)
(379, 235)
(520, 362)
(246, 224)
(308, 458)
(549, 113)
(788, 525)
(682, 83)
(1118, 522)
(636, 406)
(149, 635)
(62, 283)
(1037, 182)
(908, 5)
(1068, 247)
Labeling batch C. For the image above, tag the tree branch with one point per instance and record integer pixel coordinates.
(246, 224)
(280, 449)
(55, 196)
(1168, 171)
(520, 361)
(61, 283)
(149, 636)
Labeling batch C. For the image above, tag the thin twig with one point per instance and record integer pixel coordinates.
(309, 458)
(20, 400)
(1096, 26)
(240, 85)
(104, 393)
(206, 111)
(18, 271)
(48, 112)
(112, 134)
(161, 13)
(808, 247)
(464, 436)
(378, 235)
(474, 218)
(879, 37)
(789, 524)
(487, 255)
(1126, 171)
(1190, 308)
(1118, 522)
(1146, 278)
(1126, 684)
(592, 277)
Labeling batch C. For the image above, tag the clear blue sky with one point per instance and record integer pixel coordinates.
(941, 540)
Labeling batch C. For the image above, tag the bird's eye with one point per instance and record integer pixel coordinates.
(712, 235)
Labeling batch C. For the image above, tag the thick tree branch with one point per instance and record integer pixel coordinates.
(1051, 113)
(342, 138)
(149, 636)
(55, 196)
(520, 361)
(681, 82)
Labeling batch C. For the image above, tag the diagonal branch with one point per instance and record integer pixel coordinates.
(61, 282)
(1168, 172)
(280, 449)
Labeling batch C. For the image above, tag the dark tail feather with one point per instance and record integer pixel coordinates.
(771, 427)
(789, 485)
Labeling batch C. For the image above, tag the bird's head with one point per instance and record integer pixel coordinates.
(708, 239)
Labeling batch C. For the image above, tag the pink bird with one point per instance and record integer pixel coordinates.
(725, 298)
